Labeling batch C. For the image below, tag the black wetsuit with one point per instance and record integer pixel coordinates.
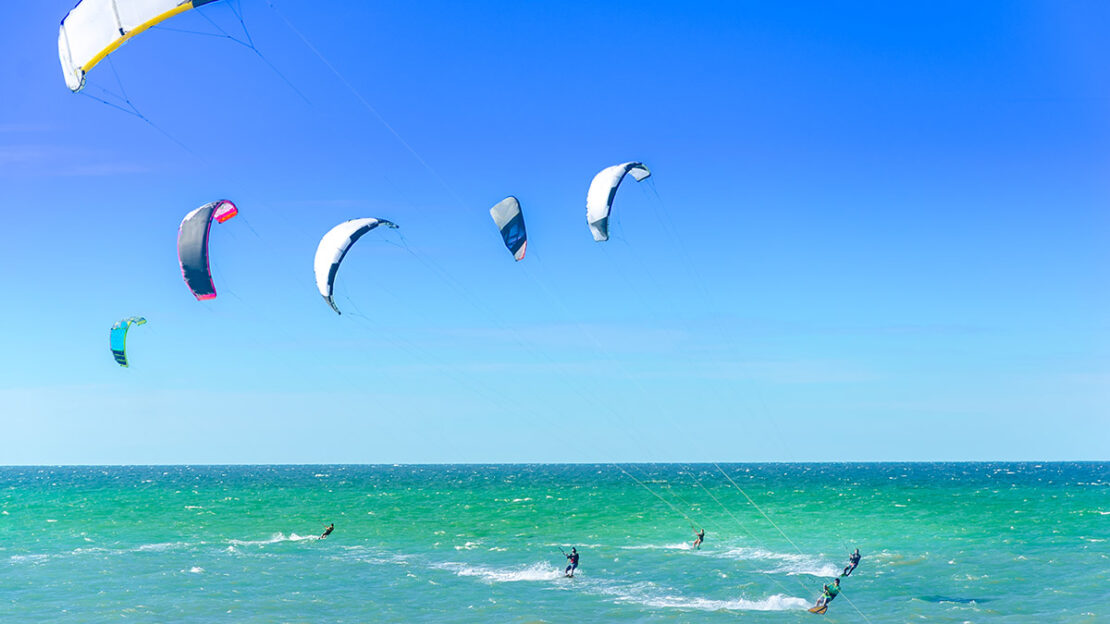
(573, 557)
(328, 531)
(853, 561)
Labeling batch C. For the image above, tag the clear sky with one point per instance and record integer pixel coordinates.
(875, 231)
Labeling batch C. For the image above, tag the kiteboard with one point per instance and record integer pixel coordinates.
(819, 610)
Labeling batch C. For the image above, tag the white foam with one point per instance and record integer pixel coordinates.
(161, 546)
(468, 546)
(650, 595)
(28, 558)
(747, 554)
(86, 551)
(274, 539)
(534, 572)
(811, 569)
(678, 546)
(788, 563)
(777, 602)
(196, 570)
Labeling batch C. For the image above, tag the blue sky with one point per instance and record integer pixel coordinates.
(875, 231)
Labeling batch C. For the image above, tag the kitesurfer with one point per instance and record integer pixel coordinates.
(829, 592)
(853, 561)
(327, 530)
(700, 534)
(573, 558)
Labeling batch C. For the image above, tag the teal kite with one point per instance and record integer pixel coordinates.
(117, 338)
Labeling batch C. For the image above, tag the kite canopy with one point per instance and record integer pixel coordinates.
(599, 200)
(333, 247)
(117, 338)
(510, 220)
(95, 28)
(192, 246)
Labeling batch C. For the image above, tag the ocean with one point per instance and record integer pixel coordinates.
(946, 542)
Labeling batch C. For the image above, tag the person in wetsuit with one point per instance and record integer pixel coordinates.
(830, 592)
(853, 561)
(573, 558)
(700, 534)
(327, 530)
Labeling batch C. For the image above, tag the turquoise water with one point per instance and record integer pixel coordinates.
(941, 543)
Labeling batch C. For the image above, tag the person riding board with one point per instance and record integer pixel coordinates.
(700, 534)
(829, 592)
(573, 558)
(853, 561)
(327, 530)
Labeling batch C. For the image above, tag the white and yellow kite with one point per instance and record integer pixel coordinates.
(96, 28)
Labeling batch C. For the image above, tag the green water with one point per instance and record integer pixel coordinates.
(940, 543)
